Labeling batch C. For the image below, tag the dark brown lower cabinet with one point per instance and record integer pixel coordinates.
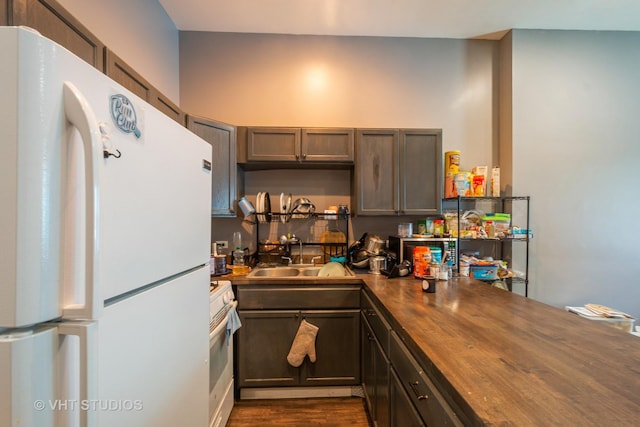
(375, 376)
(421, 390)
(403, 414)
(265, 338)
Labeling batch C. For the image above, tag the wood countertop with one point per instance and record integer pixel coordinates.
(503, 359)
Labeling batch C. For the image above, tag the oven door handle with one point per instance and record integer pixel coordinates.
(223, 325)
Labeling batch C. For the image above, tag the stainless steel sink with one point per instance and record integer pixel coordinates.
(292, 271)
(274, 272)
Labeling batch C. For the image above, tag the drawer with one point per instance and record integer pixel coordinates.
(297, 297)
(379, 324)
(426, 398)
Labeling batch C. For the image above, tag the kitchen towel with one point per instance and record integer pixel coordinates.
(304, 343)
(233, 323)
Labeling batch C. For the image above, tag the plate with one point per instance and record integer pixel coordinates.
(283, 208)
(266, 201)
(260, 206)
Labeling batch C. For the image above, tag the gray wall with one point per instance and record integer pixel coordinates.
(140, 32)
(250, 79)
(575, 141)
(565, 120)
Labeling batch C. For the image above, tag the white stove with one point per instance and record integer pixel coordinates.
(221, 302)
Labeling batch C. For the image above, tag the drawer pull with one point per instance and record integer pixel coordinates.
(415, 391)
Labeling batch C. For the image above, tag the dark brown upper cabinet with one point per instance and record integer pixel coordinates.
(51, 20)
(285, 145)
(398, 172)
(222, 138)
(121, 72)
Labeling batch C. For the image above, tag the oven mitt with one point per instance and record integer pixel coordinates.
(304, 343)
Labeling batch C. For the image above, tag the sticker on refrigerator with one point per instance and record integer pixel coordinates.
(124, 115)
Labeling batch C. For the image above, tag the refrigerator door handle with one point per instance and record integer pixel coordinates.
(80, 115)
(87, 333)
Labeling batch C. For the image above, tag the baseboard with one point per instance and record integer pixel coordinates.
(295, 392)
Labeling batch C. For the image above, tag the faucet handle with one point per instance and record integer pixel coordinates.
(313, 260)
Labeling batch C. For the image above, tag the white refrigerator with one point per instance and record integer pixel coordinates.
(104, 249)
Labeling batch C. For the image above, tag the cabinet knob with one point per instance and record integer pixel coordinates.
(304, 156)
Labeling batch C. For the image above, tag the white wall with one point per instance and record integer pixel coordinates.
(140, 32)
(576, 149)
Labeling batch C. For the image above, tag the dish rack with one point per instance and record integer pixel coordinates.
(321, 247)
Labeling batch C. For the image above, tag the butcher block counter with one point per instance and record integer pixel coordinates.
(502, 359)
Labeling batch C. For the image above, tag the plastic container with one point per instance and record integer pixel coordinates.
(484, 272)
(438, 227)
(501, 221)
(421, 261)
(405, 229)
(436, 254)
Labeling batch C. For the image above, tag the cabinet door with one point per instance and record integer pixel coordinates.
(222, 138)
(375, 376)
(403, 414)
(376, 172)
(121, 72)
(367, 368)
(263, 343)
(382, 369)
(164, 104)
(55, 23)
(337, 348)
(273, 144)
(421, 177)
(327, 145)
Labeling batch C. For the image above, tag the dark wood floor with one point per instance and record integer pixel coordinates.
(334, 411)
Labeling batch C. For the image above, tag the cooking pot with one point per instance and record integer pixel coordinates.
(360, 259)
(374, 245)
(303, 205)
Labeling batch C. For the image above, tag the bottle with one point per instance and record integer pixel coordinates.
(491, 229)
(238, 257)
(238, 253)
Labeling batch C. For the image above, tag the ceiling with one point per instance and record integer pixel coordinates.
(402, 18)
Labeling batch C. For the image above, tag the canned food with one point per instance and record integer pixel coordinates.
(452, 162)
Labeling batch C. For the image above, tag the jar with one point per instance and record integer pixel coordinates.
(438, 227)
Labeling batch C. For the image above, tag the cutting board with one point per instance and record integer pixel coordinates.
(337, 237)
